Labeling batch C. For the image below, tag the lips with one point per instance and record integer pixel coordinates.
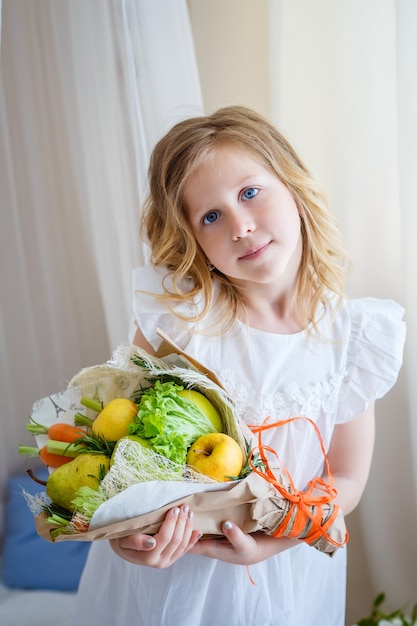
(254, 253)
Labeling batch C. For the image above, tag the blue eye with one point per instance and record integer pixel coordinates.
(250, 193)
(211, 217)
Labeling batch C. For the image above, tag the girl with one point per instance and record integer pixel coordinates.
(247, 277)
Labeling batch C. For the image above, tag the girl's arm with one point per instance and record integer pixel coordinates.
(350, 456)
(140, 341)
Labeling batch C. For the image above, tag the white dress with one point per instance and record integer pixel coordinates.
(279, 376)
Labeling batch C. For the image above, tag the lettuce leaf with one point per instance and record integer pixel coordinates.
(170, 422)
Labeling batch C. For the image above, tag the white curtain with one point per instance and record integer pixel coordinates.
(344, 89)
(86, 88)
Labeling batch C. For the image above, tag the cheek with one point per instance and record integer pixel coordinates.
(207, 241)
(204, 245)
(292, 221)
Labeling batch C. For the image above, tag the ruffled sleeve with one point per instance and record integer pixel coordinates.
(149, 313)
(374, 355)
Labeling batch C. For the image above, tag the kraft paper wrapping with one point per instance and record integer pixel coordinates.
(252, 503)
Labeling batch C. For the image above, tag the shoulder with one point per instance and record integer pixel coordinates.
(373, 331)
(152, 312)
(375, 322)
(376, 309)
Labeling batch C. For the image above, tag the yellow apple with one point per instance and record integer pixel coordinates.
(216, 455)
(205, 407)
(114, 419)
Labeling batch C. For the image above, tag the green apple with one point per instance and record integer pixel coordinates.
(205, 407)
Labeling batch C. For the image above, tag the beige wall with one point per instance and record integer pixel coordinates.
(231, 43)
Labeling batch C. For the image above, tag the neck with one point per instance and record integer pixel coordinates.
(275, 315)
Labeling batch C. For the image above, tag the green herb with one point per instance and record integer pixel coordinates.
(63, 448)
(251, 461)
(95, 444)
(35, 428)
(151, 378)
(57, 515)
(82, 420)
(95, 405)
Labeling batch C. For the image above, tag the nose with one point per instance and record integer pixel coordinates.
(241, 225)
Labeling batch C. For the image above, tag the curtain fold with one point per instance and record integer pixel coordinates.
(83, 98)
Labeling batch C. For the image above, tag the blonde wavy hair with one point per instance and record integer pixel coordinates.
(164, 224)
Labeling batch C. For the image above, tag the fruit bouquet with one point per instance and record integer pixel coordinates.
(130, 439)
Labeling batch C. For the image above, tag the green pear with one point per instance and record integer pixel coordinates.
(64, 482)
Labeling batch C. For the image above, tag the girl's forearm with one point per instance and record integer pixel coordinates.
(349, 493)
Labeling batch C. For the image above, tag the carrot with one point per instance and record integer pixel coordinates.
(80, 523)
(53, 460)
(65, 432)
(58, 431)
(47, 458)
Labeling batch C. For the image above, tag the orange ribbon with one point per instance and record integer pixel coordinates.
(304, 504)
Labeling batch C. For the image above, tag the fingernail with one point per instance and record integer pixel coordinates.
(176, 511)
(228, 525)
(190, 515)
(150, 542)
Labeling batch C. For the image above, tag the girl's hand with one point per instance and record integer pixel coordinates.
(174, 538)
(240, 548)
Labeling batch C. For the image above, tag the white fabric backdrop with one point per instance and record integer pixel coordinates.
(86, 88)
(344, 90)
